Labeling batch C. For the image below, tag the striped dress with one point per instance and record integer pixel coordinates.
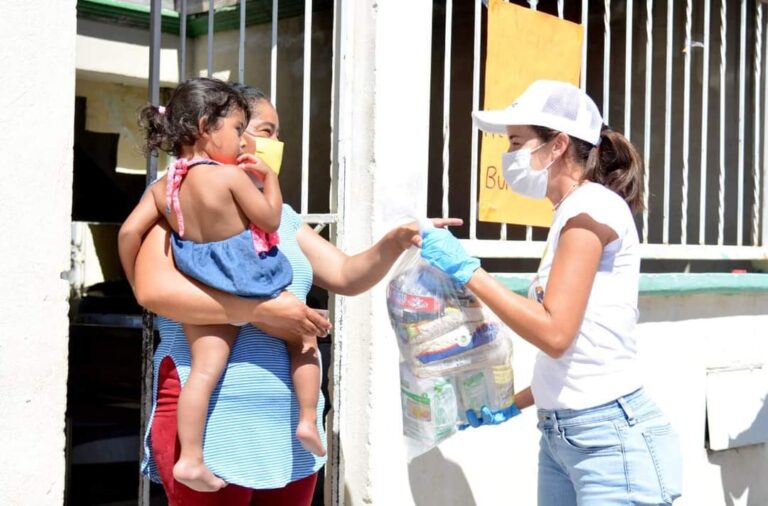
(250, 433)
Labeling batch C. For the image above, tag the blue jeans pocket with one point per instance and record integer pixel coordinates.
(592, 438)
(664, 448)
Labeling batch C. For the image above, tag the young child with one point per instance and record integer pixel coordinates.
(225, 236)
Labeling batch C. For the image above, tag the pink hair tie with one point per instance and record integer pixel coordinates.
(161, 109)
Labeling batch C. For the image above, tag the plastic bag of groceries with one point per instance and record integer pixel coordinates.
(456, 354)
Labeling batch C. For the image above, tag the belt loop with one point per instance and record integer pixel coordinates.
(631, 420)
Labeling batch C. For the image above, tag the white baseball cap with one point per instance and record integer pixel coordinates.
(557, 105)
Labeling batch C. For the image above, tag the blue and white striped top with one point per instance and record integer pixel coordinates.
(250, 433)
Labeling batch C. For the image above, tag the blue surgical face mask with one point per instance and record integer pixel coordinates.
(523, 178)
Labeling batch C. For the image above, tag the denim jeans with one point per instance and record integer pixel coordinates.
(622, 452)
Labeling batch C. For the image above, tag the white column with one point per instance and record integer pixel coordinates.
(37, 100)
(382, 100)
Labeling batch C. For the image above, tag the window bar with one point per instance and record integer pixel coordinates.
(148, 319)
(273, 57)
(475, 132)
(560, 8)
(241, 45)
(647, 119)
(628, 72)
(183, 42)
(721, 188)
(757, 62)
(742, 106)
(686, 122)
(667, 122)
(447, 103)
(584, 24)
(704, 125)
(305, 107)
(765, 144)
(211, 11)
(606, 59)
(528, 229)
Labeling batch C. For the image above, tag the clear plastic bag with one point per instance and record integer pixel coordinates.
(456, 354)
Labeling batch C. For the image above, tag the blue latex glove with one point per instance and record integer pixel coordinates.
(440, 249)
(490, 417)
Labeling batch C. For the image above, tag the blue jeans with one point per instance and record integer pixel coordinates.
(622, 452)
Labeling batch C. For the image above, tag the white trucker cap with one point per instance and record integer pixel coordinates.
(557, 105)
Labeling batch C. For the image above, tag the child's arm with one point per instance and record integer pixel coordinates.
(262, 209)
(141, 219)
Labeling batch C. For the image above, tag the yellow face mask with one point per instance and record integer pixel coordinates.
(270, 151)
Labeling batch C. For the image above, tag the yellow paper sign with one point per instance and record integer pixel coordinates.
(523, 45)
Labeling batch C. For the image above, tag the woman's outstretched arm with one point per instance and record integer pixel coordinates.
(346, 274)
(164, 290)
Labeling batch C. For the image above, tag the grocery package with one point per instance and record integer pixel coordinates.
(456, 354)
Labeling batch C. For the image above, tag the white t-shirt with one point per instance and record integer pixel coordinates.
(600, 364)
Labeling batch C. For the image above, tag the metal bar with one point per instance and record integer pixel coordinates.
(686, 122)
(764, 237)
(447, 104)
(667, 123)
(721, 188)
(742, 106)
(305, 106)
(704, 126)
(585, 25)
(535, 249)
(473, 165)
(628, 72)
(341, 150)
(241, 45)
(757, 63)
(183, 42)
(560, 8)
(606, 59)
(324, 218)
(647, 118)
(211, 12)
(273, 56)
(148, 327)
(533, 4)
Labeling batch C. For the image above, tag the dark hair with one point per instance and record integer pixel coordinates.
(192, 100)
(251, 93)
(613, 162)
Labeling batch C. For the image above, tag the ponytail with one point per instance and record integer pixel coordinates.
(152, 122)
(614, 163)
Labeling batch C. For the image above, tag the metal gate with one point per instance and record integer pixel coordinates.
(245, 13)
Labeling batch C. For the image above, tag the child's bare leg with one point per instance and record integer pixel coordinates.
(209, 346)
(305, 371)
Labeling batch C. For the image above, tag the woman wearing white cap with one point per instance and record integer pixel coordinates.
(604, 441)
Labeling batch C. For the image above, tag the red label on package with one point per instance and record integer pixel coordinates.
(421, 304)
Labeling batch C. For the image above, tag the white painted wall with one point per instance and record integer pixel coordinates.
(383, 136)
(36, 97)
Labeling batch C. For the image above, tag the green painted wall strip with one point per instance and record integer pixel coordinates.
(126, 14)
(226, 18)
(670, 284)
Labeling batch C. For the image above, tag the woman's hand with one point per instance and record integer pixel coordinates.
(288, 318)
(443, 251)
(410, 234)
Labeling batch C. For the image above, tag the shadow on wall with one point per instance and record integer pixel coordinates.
(743, 470)
(437, 481)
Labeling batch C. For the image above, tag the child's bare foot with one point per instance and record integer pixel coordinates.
(309, 437)
(197, 476)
